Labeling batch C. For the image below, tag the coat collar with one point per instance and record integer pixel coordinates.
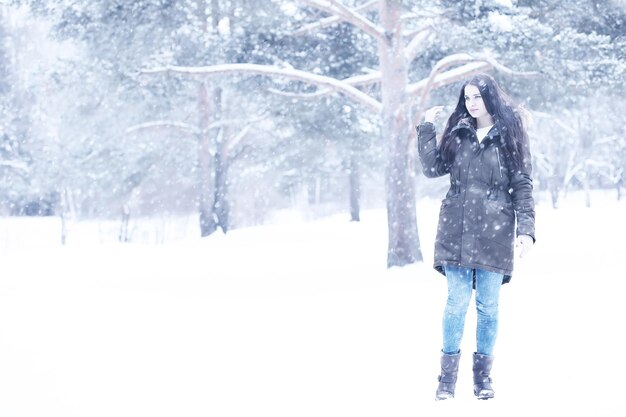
(466, 124)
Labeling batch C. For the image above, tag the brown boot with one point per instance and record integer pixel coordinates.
(482, 380)
(447, 379)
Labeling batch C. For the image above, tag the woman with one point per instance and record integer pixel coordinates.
(484, 148)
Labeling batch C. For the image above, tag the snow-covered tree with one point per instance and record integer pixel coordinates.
(231, 107)
(393, 102)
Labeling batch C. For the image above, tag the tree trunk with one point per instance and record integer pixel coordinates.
(317, 190)
(404, 246)
(221, 207)
(207, 222)
(553, 186)
(67, 211)
(586, 187)
(215, 13)
(355, 189)
(210, 109)
(125, 211)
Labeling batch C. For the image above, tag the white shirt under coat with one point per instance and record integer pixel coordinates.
(482, 132)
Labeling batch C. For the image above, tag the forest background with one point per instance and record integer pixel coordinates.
(234, 111)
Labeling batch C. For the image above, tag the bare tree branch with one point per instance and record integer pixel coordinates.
(232, 143)
(471, 66)
(304, 96)
(424, 14)
(338, 9)
(416, 44)
(556, 120)
(437, 69)
(21, 165)
(164, 124)
(247, 121)
(332, 20)
(186, 127)
(365, 79)
(318, 80)
(506, 70)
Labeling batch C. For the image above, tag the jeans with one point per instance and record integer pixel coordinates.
(460, 282)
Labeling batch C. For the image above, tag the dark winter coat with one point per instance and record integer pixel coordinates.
(486, 200)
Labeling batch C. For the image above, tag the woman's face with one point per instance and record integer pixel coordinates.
(474, 102)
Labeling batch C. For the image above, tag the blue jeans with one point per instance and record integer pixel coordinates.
(460, 282)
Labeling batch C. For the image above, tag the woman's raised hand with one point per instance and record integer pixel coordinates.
(431, 115)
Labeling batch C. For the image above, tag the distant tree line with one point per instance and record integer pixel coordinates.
(125, 121)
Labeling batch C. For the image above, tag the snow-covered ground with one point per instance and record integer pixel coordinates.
(301, 319)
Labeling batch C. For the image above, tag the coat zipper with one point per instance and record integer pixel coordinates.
(499, 164)
(469, 162)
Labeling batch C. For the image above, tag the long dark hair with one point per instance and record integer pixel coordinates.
(506, 117)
